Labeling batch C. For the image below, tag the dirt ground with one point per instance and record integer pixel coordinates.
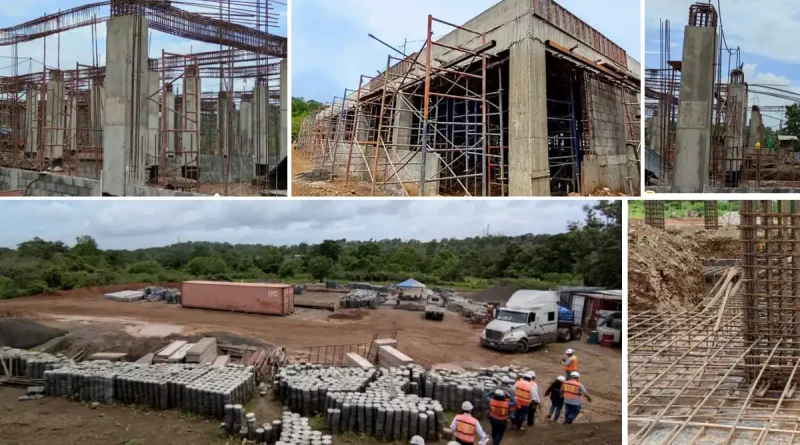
(310, 182)
(451, 341)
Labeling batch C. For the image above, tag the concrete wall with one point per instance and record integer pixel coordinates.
(214, 168)
(693, 139)
(47, 184)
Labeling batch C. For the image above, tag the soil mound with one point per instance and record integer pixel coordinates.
(24, 334)
(495, 294)
(664, 269)
(721, 244)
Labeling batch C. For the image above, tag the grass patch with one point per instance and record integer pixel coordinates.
(133, 442)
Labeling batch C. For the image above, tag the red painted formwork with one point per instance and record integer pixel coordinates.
(255, 298)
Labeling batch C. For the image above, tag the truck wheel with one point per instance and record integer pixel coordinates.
(577, 333)
(522, 346)
(564, 335)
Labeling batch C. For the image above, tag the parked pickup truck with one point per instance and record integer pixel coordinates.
(435, 308)
(531, 318)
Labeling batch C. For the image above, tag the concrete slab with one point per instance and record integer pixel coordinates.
(146, 360)
(390, 357)
(110, 356)
(354, 360)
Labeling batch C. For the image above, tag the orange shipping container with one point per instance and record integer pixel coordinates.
(256, 298)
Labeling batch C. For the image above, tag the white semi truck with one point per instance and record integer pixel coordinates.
(531, 318)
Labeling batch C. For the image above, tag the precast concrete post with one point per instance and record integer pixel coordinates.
(528, 161)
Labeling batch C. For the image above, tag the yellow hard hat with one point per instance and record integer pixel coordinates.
(650, 192)
(758, 145)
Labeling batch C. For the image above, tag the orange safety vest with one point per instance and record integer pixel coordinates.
(573, 366)
(571, 389)
(466, 428)
(524, 393)
(498, 409)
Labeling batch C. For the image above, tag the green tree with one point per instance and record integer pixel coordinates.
(85, 246)
(320, 267)
(792, 120)
(329, 248)
(40, 248)
(269, 259)
(207, 266)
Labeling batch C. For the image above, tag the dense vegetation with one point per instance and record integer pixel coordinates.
(680, 209)
(589, 252)
(301, 109)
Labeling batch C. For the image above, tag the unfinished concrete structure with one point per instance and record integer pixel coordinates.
(148, 121)
(726, 370)
(698, 137)
(523, 100)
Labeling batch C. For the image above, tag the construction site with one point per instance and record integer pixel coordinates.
(317, 363)
(138, 120)
(525, 99)
(705, 130)
(712, 324)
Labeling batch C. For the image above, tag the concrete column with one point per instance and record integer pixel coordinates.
(260, 126)
(528, 161)
(283, 135)
(54, 110)
(245, 137)
(153, 143)
(656, 126)
(171, 116)
(126, 64)
(191, 112)
(737, 93)
(224, 106)
(73, 124)
(97, 97)
(693, 138)
(755, 128)
(32, 121)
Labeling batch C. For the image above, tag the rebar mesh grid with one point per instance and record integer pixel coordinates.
(654, 214)
(711, 215)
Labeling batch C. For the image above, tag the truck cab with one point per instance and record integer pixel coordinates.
(530, 319)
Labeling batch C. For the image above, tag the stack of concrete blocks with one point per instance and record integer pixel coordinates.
(126, 296)
(109, 356)
(22, 363)
(180, 355)
(354, 360)
(209, 394)
(389, 357)
(164, 354)
(303, 388)
(376, 345)
(221, 361)
(203, 352)
(361, 299)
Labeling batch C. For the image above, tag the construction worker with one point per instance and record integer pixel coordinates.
(556, 398)
(417, 440)
(527, 392)
(499, 412)
(573, 391)
(465, 427)
(570, 363)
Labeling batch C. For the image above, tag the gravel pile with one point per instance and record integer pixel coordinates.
(25, 334)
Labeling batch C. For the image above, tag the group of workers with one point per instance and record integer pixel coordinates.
(518, 404)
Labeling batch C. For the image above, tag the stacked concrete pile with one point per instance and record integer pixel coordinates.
(467, 308)
(292, 429)
(304, 388)
(22, 363)
(362, 299)
(91, 381)
(300, 289)
(126, 296)
(452, 388)
(209, 394)
(163, 355)
(155, 294)
(204, 351)
(160, 386)
(390, 409)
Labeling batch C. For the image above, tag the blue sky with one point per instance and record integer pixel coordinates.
(139, 224)
(764, 30)
(76, 45)
(331, 47)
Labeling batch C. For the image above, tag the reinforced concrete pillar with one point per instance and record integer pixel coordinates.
(126, 86)
(153, 108)
(170, 112)
(283, 132)
(97, 97)
(73, 124)
(528, 161)
(261, 126)
(54, 110)
(693, 138)
(224, 108)
(737, 93)
(245, 136)
(755, 128)
(32, 120)
(191, 111)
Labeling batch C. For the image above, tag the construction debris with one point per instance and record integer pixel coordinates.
(363, 299)
(155, 294)
(266, 362)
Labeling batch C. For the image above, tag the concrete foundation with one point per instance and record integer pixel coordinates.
(693, 139)
(126, 86)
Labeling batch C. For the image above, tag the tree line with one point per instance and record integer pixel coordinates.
(588, 252)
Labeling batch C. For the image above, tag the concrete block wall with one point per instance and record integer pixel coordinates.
(214, 168)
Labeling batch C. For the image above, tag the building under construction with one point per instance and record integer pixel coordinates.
(702, 136)
(725, 370)
(525, 99)
(148, 122)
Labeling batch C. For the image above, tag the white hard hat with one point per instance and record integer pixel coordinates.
(570, 351)
(466, 406)
(561, 378)
(216, 195)
(417, 440)
(500, 393)
(506, 379)
(530, 375)
(575, 374)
